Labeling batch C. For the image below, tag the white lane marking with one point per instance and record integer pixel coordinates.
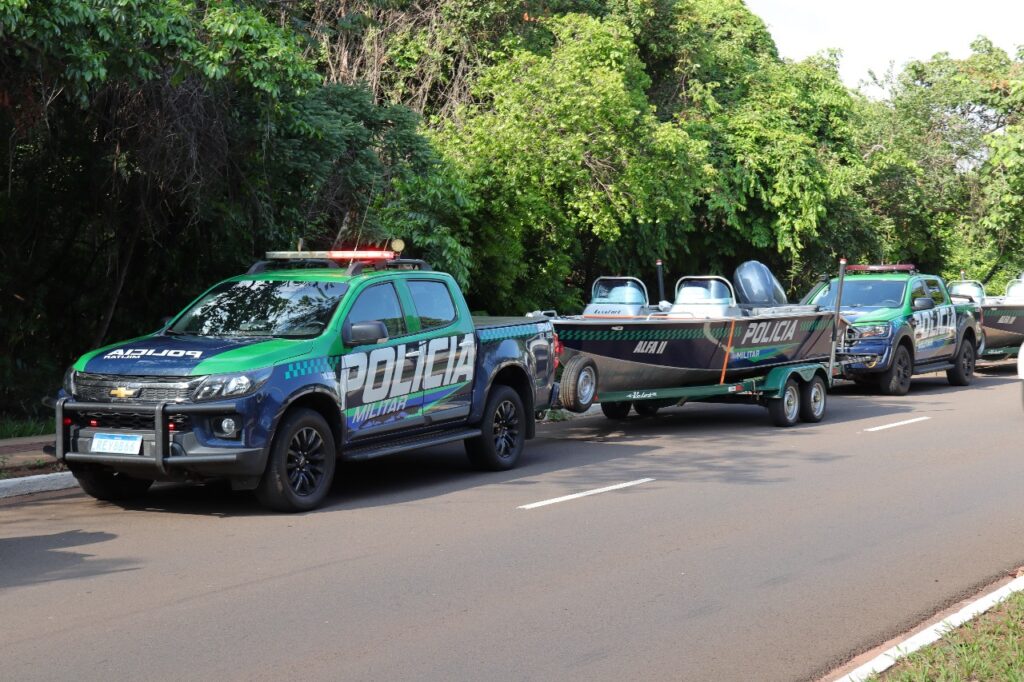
(888, 658)
(566, 498)
(902, 423)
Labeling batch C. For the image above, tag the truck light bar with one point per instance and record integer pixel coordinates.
(900, 267)
(333, 255)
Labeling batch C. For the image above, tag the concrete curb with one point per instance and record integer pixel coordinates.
(27, 485)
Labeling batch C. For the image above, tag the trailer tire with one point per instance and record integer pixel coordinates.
(616, 410)
(646, 408)
(813, 399)
(785, 410)
(503, 429)
(578, 387)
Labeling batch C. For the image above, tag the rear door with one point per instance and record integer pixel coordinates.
(448, 348)
(377, 379)
(945, 319)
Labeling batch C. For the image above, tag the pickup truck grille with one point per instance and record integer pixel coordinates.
(132, 421)
(148, 389)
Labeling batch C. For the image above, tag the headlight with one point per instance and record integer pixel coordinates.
(231, 385)
(872, 331)
(69, 381)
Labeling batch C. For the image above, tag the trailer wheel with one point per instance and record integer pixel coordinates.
(646, 408)
(619, 410)
(785, 410)
(578, 387)
(813, 399)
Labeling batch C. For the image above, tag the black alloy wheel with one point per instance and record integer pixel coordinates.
(896, 379)
(502, 431)
(301, 463)
(307, 462)
(962, 372)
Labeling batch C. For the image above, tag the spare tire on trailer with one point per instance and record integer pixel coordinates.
(578, 388)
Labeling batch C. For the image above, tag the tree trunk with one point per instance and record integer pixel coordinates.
(101, 333)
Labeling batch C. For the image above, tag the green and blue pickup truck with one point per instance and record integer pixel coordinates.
(902, 323)
(268, 378)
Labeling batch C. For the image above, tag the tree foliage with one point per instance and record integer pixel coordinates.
(153, 147)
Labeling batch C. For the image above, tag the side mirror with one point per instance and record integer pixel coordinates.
(924, 303)
(363, 333)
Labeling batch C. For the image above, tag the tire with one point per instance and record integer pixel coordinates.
(813, 400)
(646, 408)
(896, 379)
(503, 435)
(962, 372)
(618, 410)
(110, 486)
(578, 387)
(785, 410)
(300, 468)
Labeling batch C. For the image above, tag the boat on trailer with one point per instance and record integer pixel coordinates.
(1002, 317)
(711, 338)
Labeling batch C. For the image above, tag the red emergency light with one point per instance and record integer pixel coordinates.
(895, 267)
(358, 254)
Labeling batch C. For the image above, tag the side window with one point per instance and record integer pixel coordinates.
(918, 291)
(379, 302)
(936, 292)
(433, 303)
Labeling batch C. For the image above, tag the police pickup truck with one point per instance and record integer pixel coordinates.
(902, 323)
(268, 378)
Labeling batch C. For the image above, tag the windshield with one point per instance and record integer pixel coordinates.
(861, 293)
(710, 291)
(623, 291)
(262, 308)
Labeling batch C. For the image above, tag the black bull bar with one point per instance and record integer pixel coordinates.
(161, 411)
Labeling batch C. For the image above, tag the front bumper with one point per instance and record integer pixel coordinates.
(867, 356)
(164, 454)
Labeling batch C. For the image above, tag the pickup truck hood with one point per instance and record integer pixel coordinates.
(162, 355)
(870, 315)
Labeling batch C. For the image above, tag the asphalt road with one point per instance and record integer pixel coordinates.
(756, 553)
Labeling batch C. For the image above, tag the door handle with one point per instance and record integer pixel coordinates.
(412, 354)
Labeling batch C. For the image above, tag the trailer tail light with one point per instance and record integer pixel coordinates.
(67, 421)
(94, 422)
(171, 426)
(557, 348)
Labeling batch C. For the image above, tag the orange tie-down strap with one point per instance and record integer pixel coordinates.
(728, 350)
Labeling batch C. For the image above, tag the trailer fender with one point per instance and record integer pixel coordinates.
(778, 376)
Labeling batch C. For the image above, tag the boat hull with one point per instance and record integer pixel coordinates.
(1004, 328)
(662, 353)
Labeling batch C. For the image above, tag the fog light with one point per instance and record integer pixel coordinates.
(228, 427)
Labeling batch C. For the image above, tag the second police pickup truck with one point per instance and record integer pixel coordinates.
(902, 323)
(269, 377)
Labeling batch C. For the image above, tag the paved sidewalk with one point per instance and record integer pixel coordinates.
(21, 453)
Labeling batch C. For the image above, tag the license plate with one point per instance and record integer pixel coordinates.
(117, 443)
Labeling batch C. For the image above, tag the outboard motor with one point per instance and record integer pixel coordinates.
(756, 285)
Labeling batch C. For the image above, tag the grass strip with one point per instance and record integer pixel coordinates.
(21, 428)
(990, 647)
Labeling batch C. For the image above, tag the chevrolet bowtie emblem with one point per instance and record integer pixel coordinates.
(123, 392)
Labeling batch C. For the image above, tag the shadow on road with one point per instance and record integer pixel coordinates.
(36, 559)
